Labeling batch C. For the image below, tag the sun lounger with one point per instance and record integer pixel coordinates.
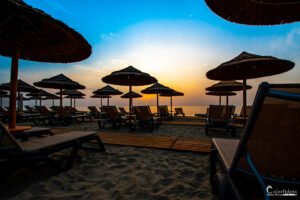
(123, 111)
(163, 112)
(219, 117)
(266, 158)
(112, 117)
(94, 112)
(15, 155)
(144, 117)
(179, 111)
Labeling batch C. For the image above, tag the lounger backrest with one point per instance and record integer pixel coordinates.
(7, 140)
(163, 110)
(142, 112)
(93, 109)
(217, 112)
(122, 110)
(272, 133)
(111, 111)
(248, 111)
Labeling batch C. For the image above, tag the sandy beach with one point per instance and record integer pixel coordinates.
(122, 172)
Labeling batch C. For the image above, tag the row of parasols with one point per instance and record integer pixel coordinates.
(128, 76)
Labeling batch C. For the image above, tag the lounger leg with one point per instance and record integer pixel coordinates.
(71, 158)
(213, 162)
(101, 145)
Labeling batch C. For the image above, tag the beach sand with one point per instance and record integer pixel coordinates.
(121, 172)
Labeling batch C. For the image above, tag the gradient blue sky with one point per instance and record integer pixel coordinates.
(176, 41)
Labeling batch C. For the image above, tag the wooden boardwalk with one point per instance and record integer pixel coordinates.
(160, 142)
(185, 123)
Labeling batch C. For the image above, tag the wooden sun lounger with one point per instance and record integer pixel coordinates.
(267, 153)
(144, 117)
(15, 155)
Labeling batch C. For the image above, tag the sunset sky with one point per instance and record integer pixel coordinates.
(176, 41)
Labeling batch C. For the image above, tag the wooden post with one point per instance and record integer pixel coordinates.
(244, 97)
(227, 100)
(13, 89)
(157, 103)
(107, 101)
(171, 106)
(220, 100)
(101, 102)
(130, 104)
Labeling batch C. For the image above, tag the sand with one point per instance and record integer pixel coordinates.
(120, 173)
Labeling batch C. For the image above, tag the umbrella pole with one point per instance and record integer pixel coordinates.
(226, 100)
(101, 102)
(107, 101)
(157, 103)
(71, 101)
(1, 101)
(74, 103)
(36, 102)
(13, 89)
(40, 101)
(220, 100)
(171, 106)
(60, 102)
(130, 104)
(244, 97)
(52, 102)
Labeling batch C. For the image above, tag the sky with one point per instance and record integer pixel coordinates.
(176, 41)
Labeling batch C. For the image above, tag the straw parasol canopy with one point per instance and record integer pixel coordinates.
(101, 97)
(39, 94)
(247, 66)
(59, 82)
(107, 90)
(131, 95)
(22, 87)
(171, 95)
(220, 94)
(74, 97)
(157, 89)
(227, 86)
(129, 76)
(71, 93)
(257, 12)
(31, 34)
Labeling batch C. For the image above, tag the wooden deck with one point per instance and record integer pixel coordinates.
(160, 142)
(185, 123)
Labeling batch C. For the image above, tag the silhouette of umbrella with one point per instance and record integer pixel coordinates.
(22, 86)
(157, 89)
(227, 86)
(132, 95)
(51, 96)
(129, 76)
(171, 95)
(247, 66)
(101, 97)
(3, 94)
(39, 94)
(71, 93)
(59, 82)
(257, 12)
(220, 94)
(107, 90)
(31, 34)
(74, 97)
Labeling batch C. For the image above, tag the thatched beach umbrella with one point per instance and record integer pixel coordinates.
(71, 93)
(38, 95)
(107, 90)
(247, 66)
(129, 76)
(157, 89)
(31, 34)
(171, 95)
(257, 12)
(22, 86)
(220, 94)
(131, 95)
(101, 97)
(3, 94)
(51, 97)
(74, 98)
(59, 82)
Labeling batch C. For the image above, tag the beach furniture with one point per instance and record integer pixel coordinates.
(123, 111)
(16, 155)
(94, 112)
(179, 111)
(266, 158)
(144, 118)
(112, 117)
(163, 112)
(242, 118)
(219, 117)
